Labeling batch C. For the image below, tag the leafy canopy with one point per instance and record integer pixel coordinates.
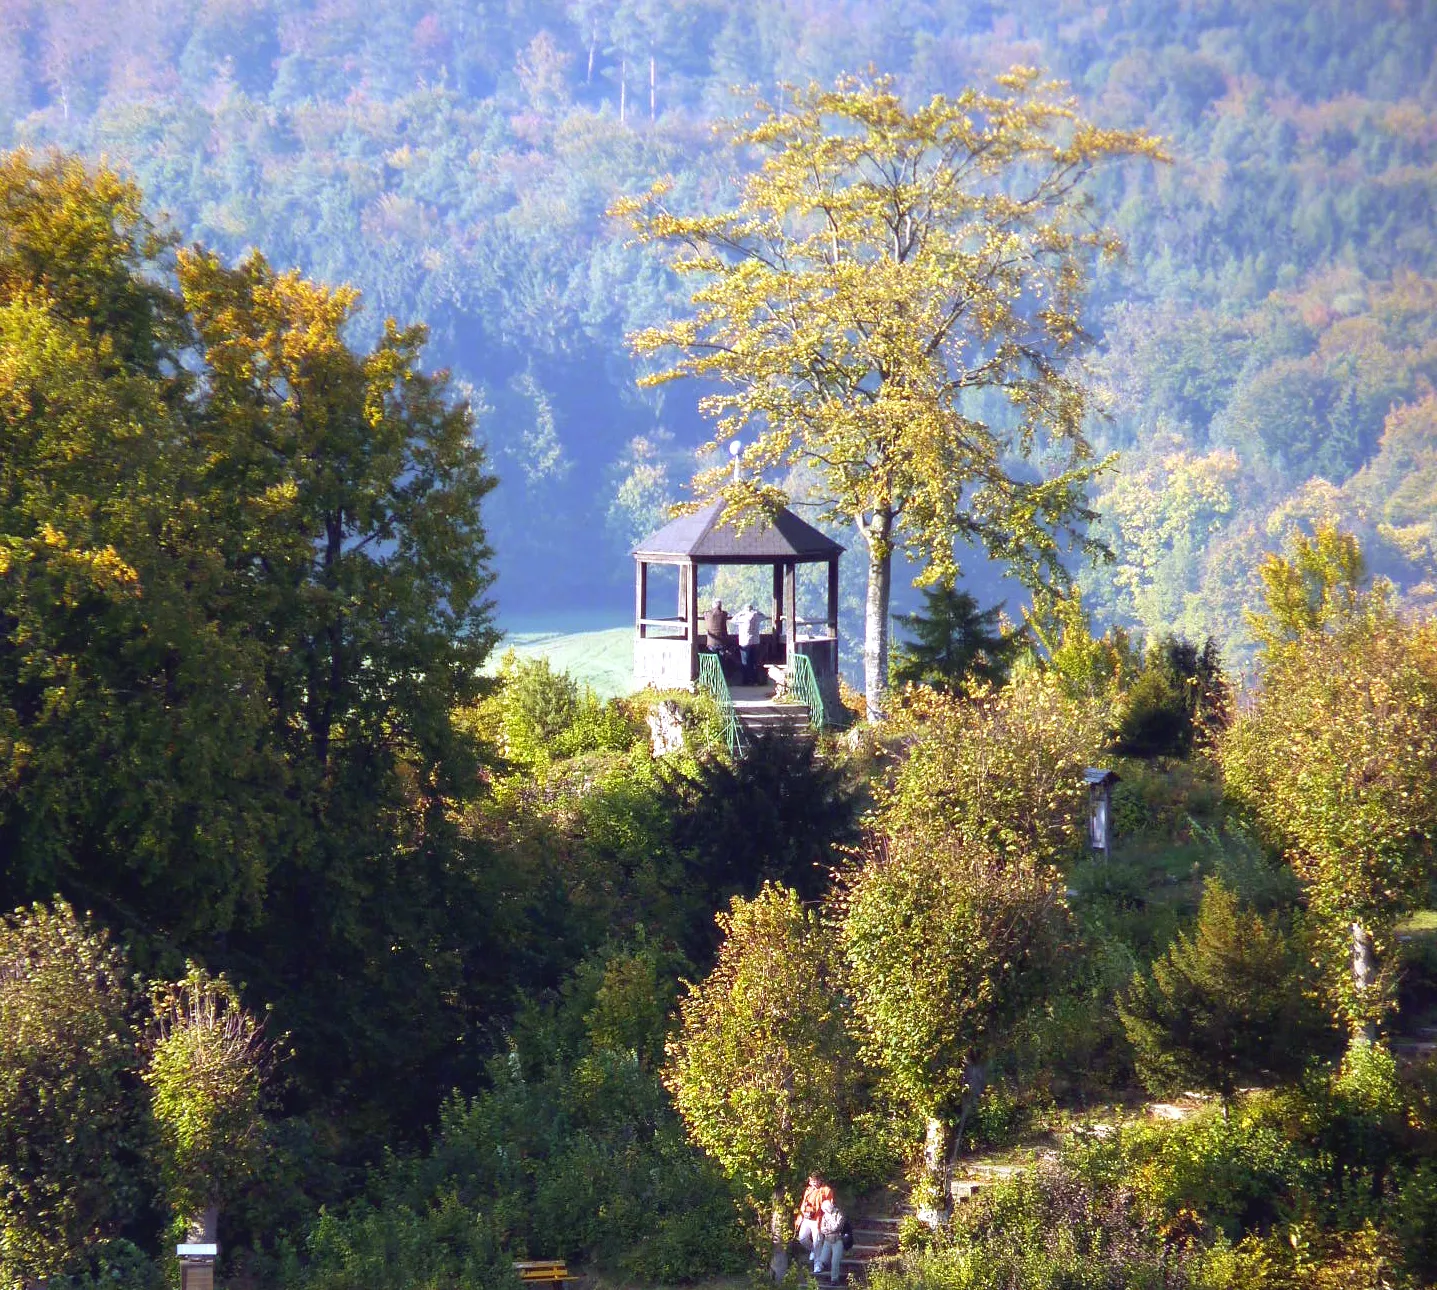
(891, 306)
(945, 946)
(206, 1075)
(1336, 759)
(761, 1067)
(881, 264)
(1000, 771)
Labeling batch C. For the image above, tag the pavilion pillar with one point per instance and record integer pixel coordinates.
(833, 615)
(778, 635)
(641, 597)
(689, 575)
(790, 579)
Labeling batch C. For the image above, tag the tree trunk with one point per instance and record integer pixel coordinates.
(204, 1227)
(935, 1201)
(1364, 971)
(779, 1230)
(875, 626)
(975, 1080)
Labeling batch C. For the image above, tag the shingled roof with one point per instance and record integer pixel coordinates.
(700, 536)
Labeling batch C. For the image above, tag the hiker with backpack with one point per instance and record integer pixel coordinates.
(835, 1234)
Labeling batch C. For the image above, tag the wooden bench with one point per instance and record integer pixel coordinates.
(548, 1272)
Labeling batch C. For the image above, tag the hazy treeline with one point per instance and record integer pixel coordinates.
(1267, 348)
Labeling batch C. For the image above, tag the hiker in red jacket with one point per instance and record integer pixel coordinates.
(810, 1211)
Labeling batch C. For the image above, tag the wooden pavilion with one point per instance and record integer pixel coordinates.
(666, 650)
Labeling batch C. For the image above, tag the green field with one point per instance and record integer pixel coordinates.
(603, 660)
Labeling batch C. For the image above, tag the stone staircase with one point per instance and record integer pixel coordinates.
(1416, 1048)
(760, 715)
(875, 1237)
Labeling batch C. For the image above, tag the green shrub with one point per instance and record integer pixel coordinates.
(1155, 721)
(538, 705)
(573, 1152)
(1075, 1041)
(114, 1265)
(1236, 1175)
(1161, 800)
(71, 1109)
(1178, 701)
(1240, 863)
(444, 1246)
(610, 724)
(1062, 1225)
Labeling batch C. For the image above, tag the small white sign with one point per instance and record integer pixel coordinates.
(197, 1251)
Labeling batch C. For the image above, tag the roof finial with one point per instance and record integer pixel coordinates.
(734, 450)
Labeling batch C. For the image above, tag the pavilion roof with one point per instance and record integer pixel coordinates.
(701, 536)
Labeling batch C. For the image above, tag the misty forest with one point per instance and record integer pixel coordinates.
(653, 643)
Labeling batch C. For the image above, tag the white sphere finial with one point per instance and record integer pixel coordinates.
(735, 448)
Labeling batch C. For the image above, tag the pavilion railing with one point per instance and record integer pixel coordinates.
(711, 679)
(803, 685)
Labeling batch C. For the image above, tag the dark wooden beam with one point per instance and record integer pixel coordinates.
(778, 609)
(790, 578)
(692, 613)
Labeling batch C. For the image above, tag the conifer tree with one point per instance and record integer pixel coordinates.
(1226, 1004)
(954, 643)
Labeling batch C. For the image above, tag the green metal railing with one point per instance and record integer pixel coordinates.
(711, 678)
(803, 685)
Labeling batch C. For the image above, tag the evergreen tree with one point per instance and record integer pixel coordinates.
(954, 644)
(1179, 700)
(1225, 1005)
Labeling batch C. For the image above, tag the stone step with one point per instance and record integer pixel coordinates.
(994, 1171)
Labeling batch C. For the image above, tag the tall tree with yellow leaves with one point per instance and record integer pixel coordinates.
(892, 305)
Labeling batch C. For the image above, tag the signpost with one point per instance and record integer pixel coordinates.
(197, 1266)
(1100, 808)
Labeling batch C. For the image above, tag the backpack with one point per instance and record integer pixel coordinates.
(846, 1231)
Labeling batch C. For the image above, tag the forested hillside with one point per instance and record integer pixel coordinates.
(1267, 348)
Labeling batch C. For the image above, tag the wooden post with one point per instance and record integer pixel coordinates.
(833, 615)
(641, 596)
(790, 578)
(693, 617)
(778, 636)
